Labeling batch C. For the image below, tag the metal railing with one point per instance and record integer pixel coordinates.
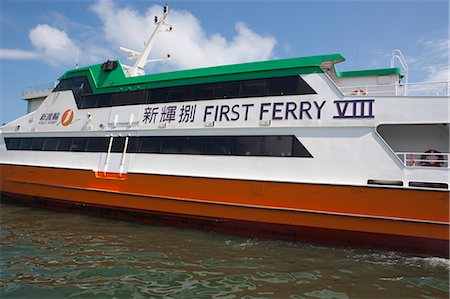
(427, 159)
(432, 88)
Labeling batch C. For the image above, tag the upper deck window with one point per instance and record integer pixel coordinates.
(281, 86)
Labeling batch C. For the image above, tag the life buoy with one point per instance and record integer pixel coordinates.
(359, 92)
(435, 157)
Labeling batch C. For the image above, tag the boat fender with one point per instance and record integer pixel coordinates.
(434, 155)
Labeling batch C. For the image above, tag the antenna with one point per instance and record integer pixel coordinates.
(78, 56)
(142, 58)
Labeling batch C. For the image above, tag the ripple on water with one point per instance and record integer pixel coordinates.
(56, 255)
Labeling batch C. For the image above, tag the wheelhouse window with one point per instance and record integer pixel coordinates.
(79, 85)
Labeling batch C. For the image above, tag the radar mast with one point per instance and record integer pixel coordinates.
(142, 58)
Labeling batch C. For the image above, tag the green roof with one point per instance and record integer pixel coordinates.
(116, 80)
(378, 72)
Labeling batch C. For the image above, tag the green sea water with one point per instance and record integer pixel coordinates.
(46, 254)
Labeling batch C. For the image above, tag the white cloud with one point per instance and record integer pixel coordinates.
(17, 54)
(435, 60)
(188, 44)
(53, 45)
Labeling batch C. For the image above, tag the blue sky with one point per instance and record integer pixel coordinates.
(40, 40)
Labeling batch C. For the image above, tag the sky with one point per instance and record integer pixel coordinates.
(40, 40)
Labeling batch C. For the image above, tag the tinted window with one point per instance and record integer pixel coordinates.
(150, 145)
(195, 145)
(181, 93)
(97, 144)
(133, 144)
(64, 84)
(25, 144)
(129, 98)
(80, 86)
(78, 144)
(227, 90)
(159, 95)
(280, 146)
(171, 145)
(64, 144)
(118, 144)
(303, 87)
(254, 88)
(89, 101)
(283, 86)
(247, 146)
(13, 143)
(298, 150)
(50, 144)
(274, 146)
(205, 91)
(219, 145)
(233, 89)
(104, 100)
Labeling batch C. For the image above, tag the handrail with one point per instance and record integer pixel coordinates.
(424, 159)
(442, 90)
(396, 53)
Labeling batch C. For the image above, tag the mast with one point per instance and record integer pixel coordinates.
(142, 58)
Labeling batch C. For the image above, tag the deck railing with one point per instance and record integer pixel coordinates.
(427, 159)
(432, 88)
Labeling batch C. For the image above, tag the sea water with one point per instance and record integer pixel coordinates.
(46, 254)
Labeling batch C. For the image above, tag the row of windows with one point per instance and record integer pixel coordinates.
(292, 85)
(274, 146)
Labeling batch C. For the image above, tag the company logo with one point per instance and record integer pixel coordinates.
(67, 117)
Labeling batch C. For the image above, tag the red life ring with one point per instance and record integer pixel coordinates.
(434, 155)
(359, 92)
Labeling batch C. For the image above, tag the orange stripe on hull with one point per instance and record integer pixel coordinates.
(368, 210)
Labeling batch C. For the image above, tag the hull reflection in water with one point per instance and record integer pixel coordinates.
(49, 254)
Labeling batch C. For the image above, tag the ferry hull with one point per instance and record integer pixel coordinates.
(409, 220)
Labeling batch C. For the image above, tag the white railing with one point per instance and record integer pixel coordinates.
(427, 159)
(397, 55)
(432, 88)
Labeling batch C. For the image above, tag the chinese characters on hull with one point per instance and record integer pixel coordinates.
(169, 113)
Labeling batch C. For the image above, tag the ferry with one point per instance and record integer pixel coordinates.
(289, 149)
